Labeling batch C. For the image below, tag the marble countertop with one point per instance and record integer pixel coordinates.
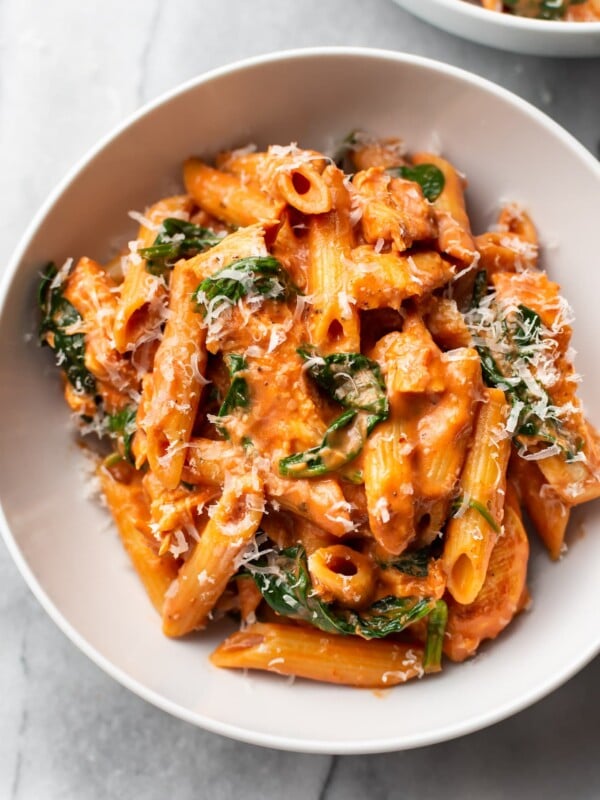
(69, 71)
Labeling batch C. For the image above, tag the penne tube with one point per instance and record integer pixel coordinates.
(386, 280)
(342, 574)
(213, 562)
(549, 514)
(244, 243)
(310, 535)
(290, 248)
(470, 537)
(454, 236)
(333, 323)
(319, 656)
(305, 189)
(141, 309)
(142, 298)
(129, 507)
(503, 592)
(92, 292)
(388, 476)
(227, 197)
(574, 482)
(177, 381)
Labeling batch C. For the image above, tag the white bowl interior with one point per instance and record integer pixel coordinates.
(64, 541)
(509, 32)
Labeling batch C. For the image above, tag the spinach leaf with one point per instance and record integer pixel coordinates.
(237, 395)
(479, 288)
(429, 177)
(436, 628)
(541, 9)
(508, 349)
(343, 155)
(256, 276)
(343, 441)
(121, 426)
(176, 239)
(283, 580)
(58, 315)
(414, 563)
(353, 380)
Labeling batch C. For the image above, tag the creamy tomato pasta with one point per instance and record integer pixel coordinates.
(567, 10)
(325, 402)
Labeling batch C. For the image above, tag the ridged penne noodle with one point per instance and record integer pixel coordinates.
(142, 297)
(388, 474)
(93, 293)
(204, 576)
(386, 280)
(177, 381)
(502, 595)
(549, 514)
(304, 189)
(454, 234)
(342, 574)
(227, 197)
(309, 380)
(470, 538)
(333, 323)
(130, 510)
(318, 656)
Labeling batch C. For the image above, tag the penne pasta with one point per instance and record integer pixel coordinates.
(204, 576)
(502, 595)
(130, 510)
(470, 538)
(291, 650)
(307, 384)
(227, 197)
(177, 381)
(333, 320)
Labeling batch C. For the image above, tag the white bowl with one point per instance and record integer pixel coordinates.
(63, 541)
(532, 37)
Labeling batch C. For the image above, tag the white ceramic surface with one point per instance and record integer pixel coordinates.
(63, 541)
(508, 32)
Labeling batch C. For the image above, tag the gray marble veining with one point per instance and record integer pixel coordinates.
(69, 71)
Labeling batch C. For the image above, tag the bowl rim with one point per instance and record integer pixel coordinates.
(290, 743)
(514, 22)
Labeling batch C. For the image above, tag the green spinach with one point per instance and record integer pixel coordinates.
(256, 276)
(429, 177)
(284, 581)
(176, 239)
(58, 316)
